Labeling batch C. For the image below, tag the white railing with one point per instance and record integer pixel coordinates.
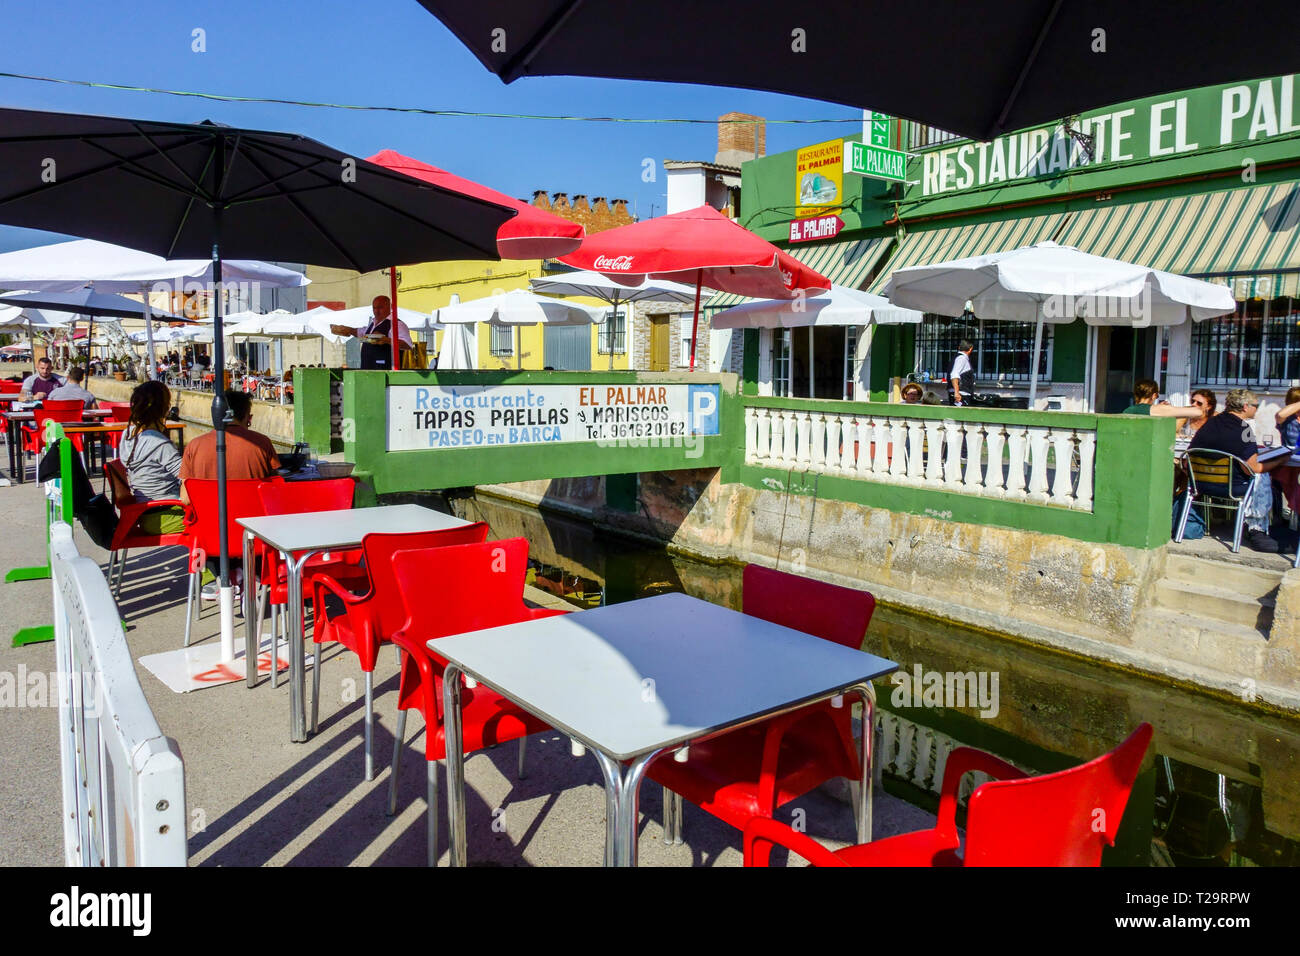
(918, 755)
(1042, 464)
(123, 780)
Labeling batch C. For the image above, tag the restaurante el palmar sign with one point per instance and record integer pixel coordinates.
(483, 416)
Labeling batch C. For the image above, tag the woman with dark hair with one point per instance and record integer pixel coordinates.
(152, 462)
(1205, 400)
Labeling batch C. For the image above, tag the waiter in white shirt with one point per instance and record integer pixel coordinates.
(376, 345)
(961, 380)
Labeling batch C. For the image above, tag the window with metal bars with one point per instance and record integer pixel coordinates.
(920, 136)
(1002, 349)
(1258, 345)
(503, 339)
(612, 333)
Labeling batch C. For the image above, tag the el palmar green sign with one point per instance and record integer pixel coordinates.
(874, 157)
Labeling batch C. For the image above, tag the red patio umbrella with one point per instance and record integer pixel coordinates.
(701, 246)
(532, 234)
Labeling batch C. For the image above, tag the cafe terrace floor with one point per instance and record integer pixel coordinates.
(254, 798)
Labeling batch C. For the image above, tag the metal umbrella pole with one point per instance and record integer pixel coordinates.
(695, 323)
(392, 320)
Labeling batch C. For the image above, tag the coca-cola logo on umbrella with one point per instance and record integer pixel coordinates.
(613, 263)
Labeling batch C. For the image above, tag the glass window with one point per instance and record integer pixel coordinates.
(612, 333)
(780, 362)
(1257, 345)
(1002, 349)
(503, 339)
(685, 322)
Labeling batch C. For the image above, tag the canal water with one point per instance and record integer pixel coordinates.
(1222, 788)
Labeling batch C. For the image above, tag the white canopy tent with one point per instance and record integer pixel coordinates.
(1047, 282)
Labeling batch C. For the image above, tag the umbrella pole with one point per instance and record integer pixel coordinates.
(1033, 369)
(392, 316)
(148, 331)
(695, 323)
(613, 324)
(219, 412)
(519, 355)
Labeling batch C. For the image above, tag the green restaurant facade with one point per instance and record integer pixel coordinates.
(1203, 183)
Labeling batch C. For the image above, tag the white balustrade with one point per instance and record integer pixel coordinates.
(820, 435)
(1047, 465)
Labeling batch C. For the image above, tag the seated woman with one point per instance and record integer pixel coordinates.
(1288, 424)
(912, 394)
(152, 462)
(1205, 400)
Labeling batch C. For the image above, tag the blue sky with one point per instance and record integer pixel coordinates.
(382, 52)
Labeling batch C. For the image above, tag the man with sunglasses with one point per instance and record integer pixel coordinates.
(1232, 431)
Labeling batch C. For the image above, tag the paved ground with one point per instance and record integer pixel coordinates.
(254, 798)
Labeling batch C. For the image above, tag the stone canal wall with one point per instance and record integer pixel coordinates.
(273, 420)
(1080, 597)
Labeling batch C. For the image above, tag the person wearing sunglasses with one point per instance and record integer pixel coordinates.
(1205, 400)
(1233, 432)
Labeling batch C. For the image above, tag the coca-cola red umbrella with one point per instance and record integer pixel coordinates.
(703, 247)
(532, 234)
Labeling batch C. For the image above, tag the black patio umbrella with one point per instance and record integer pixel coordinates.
(184, 191)
(971, 68)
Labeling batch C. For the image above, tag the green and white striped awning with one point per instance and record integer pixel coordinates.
(1244, 237)
(958, 242)
(844, 263)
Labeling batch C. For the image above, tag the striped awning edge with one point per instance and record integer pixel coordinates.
(1247, 238)
(975, 239)
(845, 263)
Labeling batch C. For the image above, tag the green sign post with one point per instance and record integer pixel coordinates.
(875, 157)
(58, 507)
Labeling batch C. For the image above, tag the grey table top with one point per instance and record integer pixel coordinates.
(326, 530)
(631, 678)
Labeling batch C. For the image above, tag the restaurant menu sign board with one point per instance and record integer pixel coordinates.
(484, 416)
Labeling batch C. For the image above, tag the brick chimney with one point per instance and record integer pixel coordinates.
(541, 199)
(741, 137)
(560, 201)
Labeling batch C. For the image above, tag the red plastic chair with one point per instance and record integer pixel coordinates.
(367, 620)
(243, 500)
(120, 412)
(34, 437)
(63, 405)
(10, 388)
(750, 772)
(130, 510)
(301, 497)
(1059, 819)
(478, 586)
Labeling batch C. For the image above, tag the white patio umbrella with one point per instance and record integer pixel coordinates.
(841, 306)
(16, 321)
(518, 308)
(607, 289)
(459, 345)
(322, 318)
(1047, 282)
(68, 266)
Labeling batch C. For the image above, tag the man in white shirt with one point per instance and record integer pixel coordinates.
(961, 380)
(376, 346)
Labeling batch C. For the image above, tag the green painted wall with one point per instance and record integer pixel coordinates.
(311, 408)
(365, 435)
(1069, 352)
(1132, 486)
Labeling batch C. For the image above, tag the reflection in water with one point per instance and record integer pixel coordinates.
(1221, 789)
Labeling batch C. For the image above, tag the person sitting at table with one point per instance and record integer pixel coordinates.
(1231, 432)
(1205, 400)
(43, 382)
(1288, 425)
(1146, 401)
(249, 454)
(912, 394)
(152, 462)
(72, 388)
